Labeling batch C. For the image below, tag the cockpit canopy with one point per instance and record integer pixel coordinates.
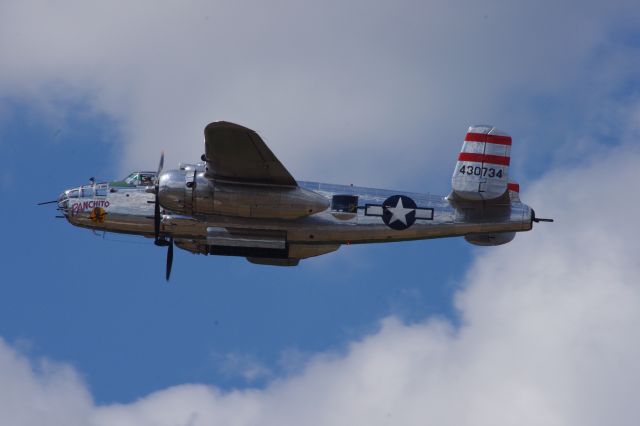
(140, 179)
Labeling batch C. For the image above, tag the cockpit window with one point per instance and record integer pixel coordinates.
(73, 193)
(132, 179)
(140, 178)
(146, 179)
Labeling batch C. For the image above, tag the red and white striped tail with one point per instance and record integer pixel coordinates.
(514, 191)
(482, 170)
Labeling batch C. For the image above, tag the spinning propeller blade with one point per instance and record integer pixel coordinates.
(161, 241)
(161, 165)
(156, 210)
(169, 259)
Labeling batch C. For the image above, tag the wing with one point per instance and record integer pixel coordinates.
(238, 154)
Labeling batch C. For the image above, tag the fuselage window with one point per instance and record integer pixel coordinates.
(87, 192)
(344, 203)
(101, 191)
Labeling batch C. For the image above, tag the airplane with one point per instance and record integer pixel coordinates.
(239, 200)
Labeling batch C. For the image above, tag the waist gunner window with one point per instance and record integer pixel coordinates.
(344, 204)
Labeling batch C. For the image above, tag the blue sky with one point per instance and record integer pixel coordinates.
(375, 95)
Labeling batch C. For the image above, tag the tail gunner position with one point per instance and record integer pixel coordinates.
(241, 201)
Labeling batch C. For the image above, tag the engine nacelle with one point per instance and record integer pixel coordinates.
(490, 239)
(189, 192)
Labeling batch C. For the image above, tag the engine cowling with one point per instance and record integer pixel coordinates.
(189, 192)
(490, 239)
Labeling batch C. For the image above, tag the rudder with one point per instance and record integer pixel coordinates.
(482, 170)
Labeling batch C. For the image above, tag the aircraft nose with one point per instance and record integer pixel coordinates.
(63, 202)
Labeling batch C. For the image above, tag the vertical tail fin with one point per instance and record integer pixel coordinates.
(482, 170)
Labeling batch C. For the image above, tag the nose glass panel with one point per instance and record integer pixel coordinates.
(63, 199)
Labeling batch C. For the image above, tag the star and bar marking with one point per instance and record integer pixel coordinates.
(399, 212)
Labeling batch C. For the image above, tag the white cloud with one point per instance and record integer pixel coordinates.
(40, 393)
(355, 92)
(548, 336)
(244, 366)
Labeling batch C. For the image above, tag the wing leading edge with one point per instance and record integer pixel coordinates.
(238, 154)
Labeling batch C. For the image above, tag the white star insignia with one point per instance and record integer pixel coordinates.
(399, 212)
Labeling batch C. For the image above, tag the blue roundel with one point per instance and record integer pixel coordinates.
(399, 212)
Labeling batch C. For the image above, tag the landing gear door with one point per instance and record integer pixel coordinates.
(189, 191)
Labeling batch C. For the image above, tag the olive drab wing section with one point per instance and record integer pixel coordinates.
(238, 154)
(482, 170)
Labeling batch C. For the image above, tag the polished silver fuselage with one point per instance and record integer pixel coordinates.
(240, 200)
(130, 210)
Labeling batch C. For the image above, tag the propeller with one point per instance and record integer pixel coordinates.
(161, 241)
(156, 210)
(169, 259)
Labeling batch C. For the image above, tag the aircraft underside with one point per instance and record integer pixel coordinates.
(321, 233)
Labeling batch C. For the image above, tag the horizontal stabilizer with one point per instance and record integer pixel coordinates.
(482, 170)
(514, 191)
(495, 239)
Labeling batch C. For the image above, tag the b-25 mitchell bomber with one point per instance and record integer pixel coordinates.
(241, 201)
